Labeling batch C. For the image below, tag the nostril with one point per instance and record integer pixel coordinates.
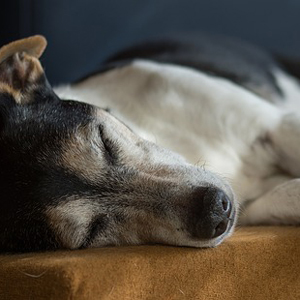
(226, 204)
(221, 228)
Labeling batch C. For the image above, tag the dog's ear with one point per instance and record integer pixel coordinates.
(33, 46)
(21, 73)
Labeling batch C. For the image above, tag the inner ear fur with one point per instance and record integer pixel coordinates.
(20, 69)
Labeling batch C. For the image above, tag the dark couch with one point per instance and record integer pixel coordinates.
(82, 33)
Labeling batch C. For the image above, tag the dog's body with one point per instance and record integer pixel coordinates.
(217, 102)
(226, 107)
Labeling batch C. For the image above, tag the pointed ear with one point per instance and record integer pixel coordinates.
(33, 46)
(20, 70)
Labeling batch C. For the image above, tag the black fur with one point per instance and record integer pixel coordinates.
(238, 61)
(30, 178)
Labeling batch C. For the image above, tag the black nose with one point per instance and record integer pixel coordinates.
(211, 210)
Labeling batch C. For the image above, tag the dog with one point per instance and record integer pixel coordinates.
(191, 131)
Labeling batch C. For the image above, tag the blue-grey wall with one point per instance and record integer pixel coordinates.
(81, 33)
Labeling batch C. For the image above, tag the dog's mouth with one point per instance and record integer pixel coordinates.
(229, 230)
(215, 241)
(194, 242)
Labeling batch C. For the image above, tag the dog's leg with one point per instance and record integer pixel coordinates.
(286, 142)
(279, 206)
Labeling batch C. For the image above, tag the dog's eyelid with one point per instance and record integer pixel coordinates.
(100, 128)
(106, 143)
(102, 133)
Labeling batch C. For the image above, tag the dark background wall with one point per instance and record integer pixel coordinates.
(82, 33)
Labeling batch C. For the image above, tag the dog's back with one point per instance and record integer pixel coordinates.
(238, 61)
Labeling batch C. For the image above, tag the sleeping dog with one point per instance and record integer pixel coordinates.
(159, 146)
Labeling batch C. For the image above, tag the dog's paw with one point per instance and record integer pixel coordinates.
(280, 206)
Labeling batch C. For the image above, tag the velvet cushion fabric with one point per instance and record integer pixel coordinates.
(255, 263)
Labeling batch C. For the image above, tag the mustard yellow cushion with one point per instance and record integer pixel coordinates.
(255, 263)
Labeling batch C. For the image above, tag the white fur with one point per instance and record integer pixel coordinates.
(206, 119)
(291, 88)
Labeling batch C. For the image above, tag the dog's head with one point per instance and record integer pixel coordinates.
(74, 176)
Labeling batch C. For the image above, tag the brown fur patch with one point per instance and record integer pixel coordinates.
(70, 220)
(80, 154)
(18, 76)
(35, 70)
(20, 67)
(6, 88)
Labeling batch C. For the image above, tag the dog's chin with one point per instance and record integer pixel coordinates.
(209, 243)
(182, 241)
(188, 241)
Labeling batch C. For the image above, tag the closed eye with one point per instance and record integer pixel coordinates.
(110, 148)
